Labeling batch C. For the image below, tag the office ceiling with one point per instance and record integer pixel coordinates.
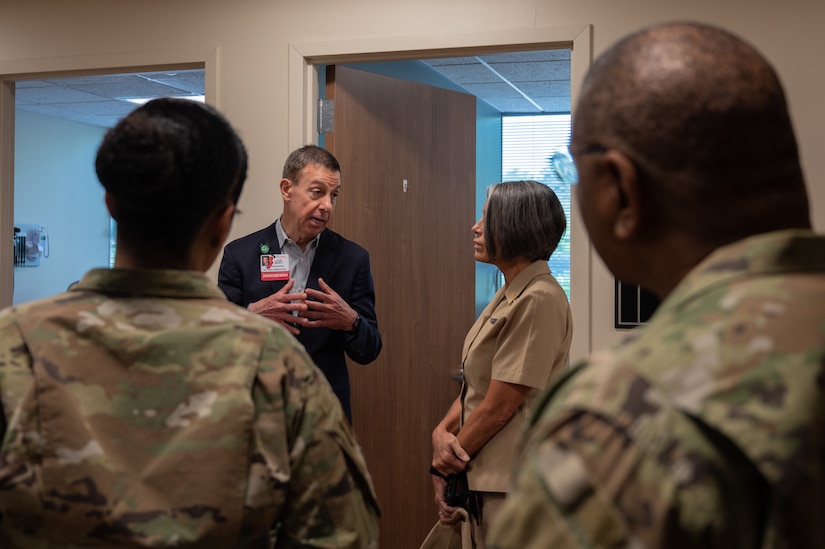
(101, 100)
(514, 83)
(531, 82)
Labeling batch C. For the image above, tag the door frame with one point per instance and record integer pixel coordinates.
(14, 70)
(304, 59)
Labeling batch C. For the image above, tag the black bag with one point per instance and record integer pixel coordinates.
(457, 490)
(458, 494)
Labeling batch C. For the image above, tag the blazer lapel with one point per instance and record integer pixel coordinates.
(324, 258)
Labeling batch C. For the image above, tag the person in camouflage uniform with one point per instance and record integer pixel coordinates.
(141, 408)
(706, 427)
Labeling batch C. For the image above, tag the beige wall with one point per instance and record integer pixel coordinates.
(246, 48)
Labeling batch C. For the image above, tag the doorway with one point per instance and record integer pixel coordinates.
(63, 120)
(408, 172)
(12, 72)
(306, 60)
(522, 117)
(376, 427)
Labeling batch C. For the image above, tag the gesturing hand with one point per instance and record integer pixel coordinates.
(327, 309)
(280, 306)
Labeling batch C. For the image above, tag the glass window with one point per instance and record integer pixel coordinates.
(112, 241)
(528, 144)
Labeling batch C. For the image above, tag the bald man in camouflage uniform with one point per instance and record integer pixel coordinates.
(706, 427)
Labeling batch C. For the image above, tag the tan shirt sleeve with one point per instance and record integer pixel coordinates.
(535, 339)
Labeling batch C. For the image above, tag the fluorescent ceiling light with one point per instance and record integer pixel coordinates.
(142, 100)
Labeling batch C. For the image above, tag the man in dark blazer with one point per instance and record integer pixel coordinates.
(307, 277)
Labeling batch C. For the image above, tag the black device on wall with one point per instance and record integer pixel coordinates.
(633, 305)
(19, 247)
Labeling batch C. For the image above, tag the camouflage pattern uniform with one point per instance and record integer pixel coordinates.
(705, 428)
(144, 409)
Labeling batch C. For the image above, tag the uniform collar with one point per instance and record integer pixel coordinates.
(775, 252)
(149, 283)
(523, 279)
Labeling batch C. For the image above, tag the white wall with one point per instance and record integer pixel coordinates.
(56, 186)
(251, 41)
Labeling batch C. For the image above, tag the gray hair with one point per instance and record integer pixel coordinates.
(306, 155)
(524, 219)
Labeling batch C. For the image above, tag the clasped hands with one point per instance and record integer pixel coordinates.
(448, 458)
(315, 309)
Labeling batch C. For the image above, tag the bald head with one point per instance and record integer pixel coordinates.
(703, 117)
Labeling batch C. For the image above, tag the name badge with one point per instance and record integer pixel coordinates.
(274, 267)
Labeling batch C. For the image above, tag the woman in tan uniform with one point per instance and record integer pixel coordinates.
(520, 340)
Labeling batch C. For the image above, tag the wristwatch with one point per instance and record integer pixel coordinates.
(356, 324)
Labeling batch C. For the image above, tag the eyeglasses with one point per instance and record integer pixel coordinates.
(565, 167)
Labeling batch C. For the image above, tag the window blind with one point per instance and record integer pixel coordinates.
(528, 144)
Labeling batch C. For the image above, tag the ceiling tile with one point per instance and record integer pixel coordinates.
(189, 81)
(493, 90)
(105, 108)
(515, 105)
(135, 87)
(106, 121)
(47, 110)
(561, 54)
(32, 84)
(70, 81)
(450, 61)
(531, 72)
(558, 105)
(56, 94)
(552, 88)
(469, 74)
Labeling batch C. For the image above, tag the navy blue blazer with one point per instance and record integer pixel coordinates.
(345, 266)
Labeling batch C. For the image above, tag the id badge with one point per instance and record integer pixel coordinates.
(274, 267)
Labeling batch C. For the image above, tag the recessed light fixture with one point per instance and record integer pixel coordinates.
(142, 100)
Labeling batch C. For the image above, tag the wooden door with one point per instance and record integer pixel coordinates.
(407, 154)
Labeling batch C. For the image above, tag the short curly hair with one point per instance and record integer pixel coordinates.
(170, 164)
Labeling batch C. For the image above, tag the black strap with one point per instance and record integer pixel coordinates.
(436, 472)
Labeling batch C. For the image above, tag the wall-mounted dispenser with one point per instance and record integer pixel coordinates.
(31, 242)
